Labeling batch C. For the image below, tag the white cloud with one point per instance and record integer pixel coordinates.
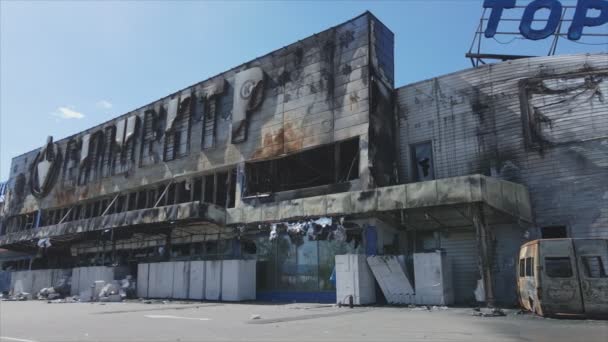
(104, 104)
(67, 113)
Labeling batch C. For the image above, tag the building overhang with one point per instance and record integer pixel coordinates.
(438, 203)
(168, 216)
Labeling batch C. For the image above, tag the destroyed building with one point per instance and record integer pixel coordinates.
(311, 152)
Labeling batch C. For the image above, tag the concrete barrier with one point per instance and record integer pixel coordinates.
(213, 280)
(196, 288)
(238, 280)
(230, 280)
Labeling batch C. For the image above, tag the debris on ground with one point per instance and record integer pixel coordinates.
(489, 312)
(255, 317)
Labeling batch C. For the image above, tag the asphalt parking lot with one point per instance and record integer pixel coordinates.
(136, 321)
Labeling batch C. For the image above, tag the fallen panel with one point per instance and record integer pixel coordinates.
(389, 272)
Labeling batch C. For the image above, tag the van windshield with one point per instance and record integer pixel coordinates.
(558, 267)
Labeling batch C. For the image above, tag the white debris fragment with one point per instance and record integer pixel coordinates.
(273, 232)
(340, 233)
(323, 221)
(255, 317)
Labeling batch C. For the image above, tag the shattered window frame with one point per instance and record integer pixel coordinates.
(597, 269)
(177, 138)
(416, 167)
(558, 267)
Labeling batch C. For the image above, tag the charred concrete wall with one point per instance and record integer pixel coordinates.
(541, 122)
(311, 93)
(382, 132)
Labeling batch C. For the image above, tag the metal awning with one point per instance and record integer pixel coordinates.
(437, 203)
(166, 215)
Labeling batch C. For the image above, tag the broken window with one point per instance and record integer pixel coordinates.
(232, 189)
(330, 164)
(422, 162)
(119, 204)
(594, 266)
(170, 195)
(209, 121)
(558, 267)
(183, 192)
(209, 189)
(150, 138)
(554, 232)
(70, 164)
(222, 188)
(108, 155)
(208, 101)
(177, 130)
(132, 201)
(125, 142)
(348, 160)
(142, 199)
(197, 194)
(530, 267)
(92, 153)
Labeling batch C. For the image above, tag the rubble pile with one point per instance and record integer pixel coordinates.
(100, 291)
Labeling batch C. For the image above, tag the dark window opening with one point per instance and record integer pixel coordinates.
(522, 268)
(348, 154)
(222, 189)
(170, 196)
(119, 204)
(104, 206)
(530, 267)
(232, 189)
(209, 189)
(76, 215)
(142, 202)
(108, 155)
(324, 165)
(70, 164)
(183, 192)
(594, 266)
(554, 232)
(209, 122)
(558, 267)
(422, 161)
(152, 198)
(97, 209)
(132, 201)
(177, 140)
(197, 194)
(88, 210)
(149, 137)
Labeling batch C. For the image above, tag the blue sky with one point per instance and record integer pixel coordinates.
(66, 66)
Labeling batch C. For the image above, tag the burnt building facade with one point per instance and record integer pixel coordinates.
(310, 151)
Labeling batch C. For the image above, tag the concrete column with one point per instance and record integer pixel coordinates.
(240, 179)
(484, 249)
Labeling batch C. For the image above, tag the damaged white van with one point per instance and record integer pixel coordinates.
(564, 277)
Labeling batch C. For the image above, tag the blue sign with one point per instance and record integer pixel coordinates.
(579, 21)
